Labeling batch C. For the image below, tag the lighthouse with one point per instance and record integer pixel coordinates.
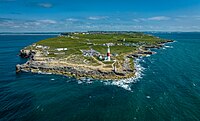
(108, 53)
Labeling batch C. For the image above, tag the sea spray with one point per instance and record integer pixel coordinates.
(123, 83)
(126, 83)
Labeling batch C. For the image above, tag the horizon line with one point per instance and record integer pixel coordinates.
(38, 32)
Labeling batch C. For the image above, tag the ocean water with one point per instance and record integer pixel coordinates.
(167, 88)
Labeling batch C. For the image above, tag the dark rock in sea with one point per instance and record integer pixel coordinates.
(133, 56)
(27, 54)
(170, 40)
(148, 52)
(18, 68)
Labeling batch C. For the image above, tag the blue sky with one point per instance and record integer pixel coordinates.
(87, 15)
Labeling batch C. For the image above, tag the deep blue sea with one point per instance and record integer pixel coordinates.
(168, 90)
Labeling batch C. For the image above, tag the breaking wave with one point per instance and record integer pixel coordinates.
(85, 80)
(168, 46)
(126, 83)
(123, 83)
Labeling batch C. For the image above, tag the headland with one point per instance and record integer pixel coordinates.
(94, 54)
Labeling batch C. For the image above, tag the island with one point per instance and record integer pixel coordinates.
(101, 55)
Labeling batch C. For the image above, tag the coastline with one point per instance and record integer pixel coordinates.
(79, 72)
(40, 64)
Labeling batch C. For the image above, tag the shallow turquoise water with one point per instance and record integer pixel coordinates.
(168, 90)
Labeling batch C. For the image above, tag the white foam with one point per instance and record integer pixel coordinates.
(38, 107)
(123, 83)
(80, 82)
(126, 83)
(148, 55)
(40, 72)
(89, 81)
(168, 46)
(194, 84)
(52, 79)
(85, 80)
(148, 97)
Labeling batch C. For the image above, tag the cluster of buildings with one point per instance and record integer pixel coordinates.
(70, 33)
(61, 49)
(40, 47)
(92, 52)
(45, 49)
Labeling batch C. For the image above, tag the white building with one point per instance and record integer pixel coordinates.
(61, 49)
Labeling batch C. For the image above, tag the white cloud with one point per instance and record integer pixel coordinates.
(85, 24)
(45, 5)
(16, 26)
(47, 21)
(36, 23)
(71, 19)
(32, 23)
(97, 17)
(155, 18)
(136, 20)
(159, 18)
(140, 19)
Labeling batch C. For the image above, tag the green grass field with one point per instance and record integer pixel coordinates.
(76, 42)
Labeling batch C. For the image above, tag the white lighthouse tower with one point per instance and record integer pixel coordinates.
(108, 53)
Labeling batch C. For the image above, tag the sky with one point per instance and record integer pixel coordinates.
(99, 15)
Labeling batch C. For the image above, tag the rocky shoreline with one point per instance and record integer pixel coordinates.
(47, 66)
(77, 72)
